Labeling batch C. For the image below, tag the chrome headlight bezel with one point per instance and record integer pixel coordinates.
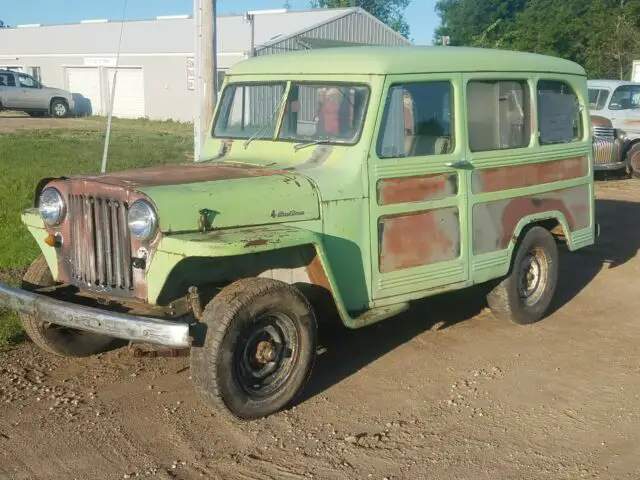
(52, 206)
(142, 220)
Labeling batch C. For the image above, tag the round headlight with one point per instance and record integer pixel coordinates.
(142, 220)
(52, 207)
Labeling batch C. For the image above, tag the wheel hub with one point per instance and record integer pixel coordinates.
(265, 352)
(531, 281)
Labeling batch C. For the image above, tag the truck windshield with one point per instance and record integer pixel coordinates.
(318, 112)
(625, 97)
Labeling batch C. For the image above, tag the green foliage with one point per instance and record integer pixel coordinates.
(390, 12)
(29, 155)
(601, 35)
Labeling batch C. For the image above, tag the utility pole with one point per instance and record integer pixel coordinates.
(204, 14)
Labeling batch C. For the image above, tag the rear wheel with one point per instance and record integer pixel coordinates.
(61, 341)
(524, 296)
(258, 350)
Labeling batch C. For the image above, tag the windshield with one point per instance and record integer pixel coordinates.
(319, 112)
(625, 97)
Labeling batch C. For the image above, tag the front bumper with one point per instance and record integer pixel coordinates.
(95, 320)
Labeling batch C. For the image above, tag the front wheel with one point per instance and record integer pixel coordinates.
(633, 161)
(524, 296)
(59, 108)
(259, 348)
(61, 341)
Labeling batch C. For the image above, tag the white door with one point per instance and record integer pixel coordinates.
(84, 85)
(129, 97)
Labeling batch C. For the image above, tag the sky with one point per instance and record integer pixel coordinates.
(420, 14)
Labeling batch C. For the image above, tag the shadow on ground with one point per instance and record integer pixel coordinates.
(347, 351)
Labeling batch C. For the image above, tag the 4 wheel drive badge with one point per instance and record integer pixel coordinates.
(280, 213)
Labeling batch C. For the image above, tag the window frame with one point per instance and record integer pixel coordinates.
(531, 113)
(287, 84)
(605, 106)
(613, 94)
(384, 109)
(582, 110)
(36, 84)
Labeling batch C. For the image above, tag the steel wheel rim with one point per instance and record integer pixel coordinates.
(532, 277)
(266, 354)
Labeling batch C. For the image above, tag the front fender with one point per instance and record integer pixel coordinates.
(234, 243)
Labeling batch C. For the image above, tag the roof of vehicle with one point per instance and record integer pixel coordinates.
(610, 83)
(382, 60)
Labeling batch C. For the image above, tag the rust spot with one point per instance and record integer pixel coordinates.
(494, 223)
(505, 178)
(256, 243)
(317, 275)
(416, 189)
(179, 174)
(598, 121)
(417, 239)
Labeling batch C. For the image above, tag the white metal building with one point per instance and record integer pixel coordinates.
(156, 67)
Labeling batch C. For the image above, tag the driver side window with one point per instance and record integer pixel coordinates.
(418, 121)
(26, 81)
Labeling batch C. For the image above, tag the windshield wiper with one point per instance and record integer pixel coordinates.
(262, 128)
(299, 146)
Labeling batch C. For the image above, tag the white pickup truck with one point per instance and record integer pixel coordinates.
(618, 101)
(22, 92)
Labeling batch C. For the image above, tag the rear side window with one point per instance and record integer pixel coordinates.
(418, 121)
(597, 98)
(7, 80)
(498, 114)
(559, 116)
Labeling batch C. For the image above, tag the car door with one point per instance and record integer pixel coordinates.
(31, 95)
(9, 92)
(418, 188)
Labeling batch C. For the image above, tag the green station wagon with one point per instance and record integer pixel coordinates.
(356, 178)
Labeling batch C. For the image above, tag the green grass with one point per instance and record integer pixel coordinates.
(28, 156)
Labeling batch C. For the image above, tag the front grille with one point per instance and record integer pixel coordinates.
(100, 243)
(604, 132)
(606, 150)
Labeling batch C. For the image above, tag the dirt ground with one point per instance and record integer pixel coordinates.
(445, 391)
(14, 122)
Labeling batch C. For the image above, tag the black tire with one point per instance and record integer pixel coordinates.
(525, 300)
(633, 160)
(59, 108)
(242, 323)
(61, 341)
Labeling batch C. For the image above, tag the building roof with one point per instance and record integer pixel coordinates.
(170, 35)
(403, 59)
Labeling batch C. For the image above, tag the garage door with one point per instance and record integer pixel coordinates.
(129, 98)
(84, 84)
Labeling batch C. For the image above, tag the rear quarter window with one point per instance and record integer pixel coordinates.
(559, 117)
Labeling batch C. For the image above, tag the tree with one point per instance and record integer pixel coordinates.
(601, 35)
(390, 12)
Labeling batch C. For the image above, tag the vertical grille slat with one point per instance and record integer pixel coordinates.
(117, 267)
(101, 248)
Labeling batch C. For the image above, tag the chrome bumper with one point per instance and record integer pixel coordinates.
(95, 320)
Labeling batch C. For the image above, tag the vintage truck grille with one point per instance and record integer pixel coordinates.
(604, 132)
(100, 243)
(606, 147)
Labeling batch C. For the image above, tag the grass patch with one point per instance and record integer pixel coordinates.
(27, 156)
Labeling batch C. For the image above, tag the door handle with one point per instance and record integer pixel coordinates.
(458, 164)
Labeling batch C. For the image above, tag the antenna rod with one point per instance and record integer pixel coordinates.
(107, 138)
(204, 12)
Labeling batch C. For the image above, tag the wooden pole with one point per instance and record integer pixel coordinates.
(204, 13)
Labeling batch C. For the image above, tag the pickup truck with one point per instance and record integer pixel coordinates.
(22, 92)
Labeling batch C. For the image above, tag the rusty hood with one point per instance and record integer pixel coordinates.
(220, 195)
